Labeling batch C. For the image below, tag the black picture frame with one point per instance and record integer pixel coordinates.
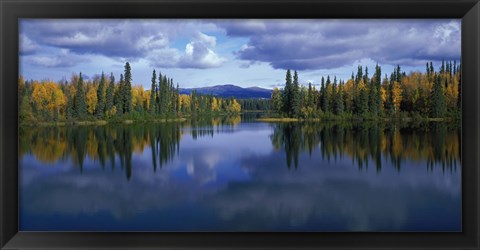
(11, 11)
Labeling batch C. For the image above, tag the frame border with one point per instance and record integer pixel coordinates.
(11, 11)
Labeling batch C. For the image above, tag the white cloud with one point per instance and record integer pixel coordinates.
(27, 46)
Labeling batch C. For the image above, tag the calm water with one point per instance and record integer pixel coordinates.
(234, 175)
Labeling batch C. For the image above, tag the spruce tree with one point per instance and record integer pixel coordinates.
(326, 96)
(158, 94)
(389, 99)
(100, 110)
(338, 101)
(80, 104)
(177, 99)
(363, 102)
(128, 89)
(287, 93)
(323, 97)
(372, 98)
(310, 95)
(378, 86)
(70, 107)
(437, 99)
(109, 94)
(296, 98)
(119, 96)
(153, 93)
(398, 75)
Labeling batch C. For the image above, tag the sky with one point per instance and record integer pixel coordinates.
(243, 52)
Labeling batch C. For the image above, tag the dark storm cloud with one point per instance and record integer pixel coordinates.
(318, 44)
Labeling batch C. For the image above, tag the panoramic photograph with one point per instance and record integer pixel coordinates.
(240, 125)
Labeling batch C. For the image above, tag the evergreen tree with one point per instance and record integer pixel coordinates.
(338, 103)
(157, 97)
(109, 94)
(310, 99)
(287, 93)
(378, 86)
(324, 104)
(100, 110)
(128, 89)
(437, 99)
(327, 96)
(177, 99)
(398, 75)
(372, 98)
(80, 104)
(365, 77)
(363, 102)
(359, 75)
(119, 97)
(153, 93)
(296, 100)
(389, 99)
(70, 107)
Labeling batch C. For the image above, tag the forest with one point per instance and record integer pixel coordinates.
(429, 95)
(104, 99)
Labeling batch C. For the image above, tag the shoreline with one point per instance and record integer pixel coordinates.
(264, 119)
(407, 119)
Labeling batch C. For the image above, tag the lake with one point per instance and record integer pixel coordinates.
(237, 174)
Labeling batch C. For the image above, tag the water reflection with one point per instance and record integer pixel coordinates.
(232, 175)
(367, 143)
(53, 144)
(438, 144)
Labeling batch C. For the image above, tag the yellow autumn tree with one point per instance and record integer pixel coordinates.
(137, 96)
(91, 99)
(185, 102)
(215, 106)
(57, 99)
(234, 107)
(397, 96)
(39, 95)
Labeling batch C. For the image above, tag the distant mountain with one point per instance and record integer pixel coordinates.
(229, 90)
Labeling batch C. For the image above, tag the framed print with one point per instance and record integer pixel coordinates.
(228, 124)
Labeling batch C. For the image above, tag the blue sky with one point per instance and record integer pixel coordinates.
(243, 52)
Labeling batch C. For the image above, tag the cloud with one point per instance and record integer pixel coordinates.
(328, 44)
(127, 40)
(199, 54)
(27, 46)
(243, 27)
(63, 59)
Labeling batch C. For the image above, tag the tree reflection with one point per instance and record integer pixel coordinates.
(364, 143)
(116, 142)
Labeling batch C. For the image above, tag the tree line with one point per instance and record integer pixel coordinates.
(433, 94)
(104, 98)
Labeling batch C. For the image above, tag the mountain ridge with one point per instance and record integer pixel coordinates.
(230, 90)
